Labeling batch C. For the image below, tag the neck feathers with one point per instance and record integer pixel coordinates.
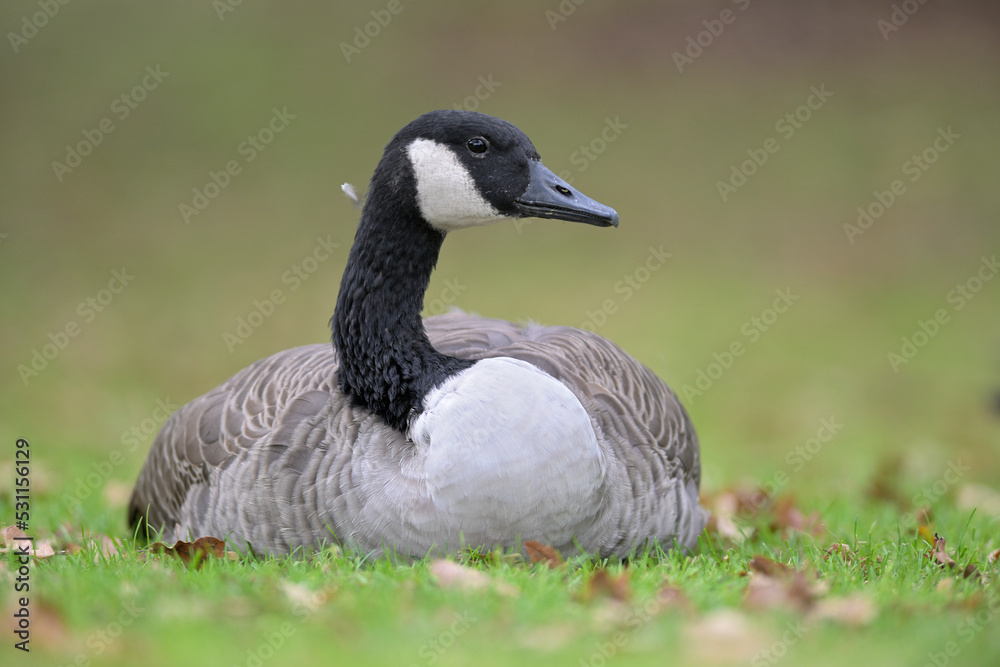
(387, 363)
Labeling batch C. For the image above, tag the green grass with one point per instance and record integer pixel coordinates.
(161, 339)
(384, 613)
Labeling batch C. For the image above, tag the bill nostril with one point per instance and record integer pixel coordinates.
(563, 191)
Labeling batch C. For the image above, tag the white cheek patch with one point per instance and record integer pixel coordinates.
(446, 194)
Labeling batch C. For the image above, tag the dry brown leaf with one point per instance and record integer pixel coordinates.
(787, 516)
(8, 534)
(13, 538)
(105, 546)
(766, 566)
(543, 553)
(671, 597)
(842, 550)
(924, 533)
(604, 584)
(852, 610)
(993, 557)
(776, 585)
(939, 554)
(799, 592)
(722, 637)
(724, 526)
(192, 552)
(741, 502)
(302, 598)
(450, 574)
(43, 550)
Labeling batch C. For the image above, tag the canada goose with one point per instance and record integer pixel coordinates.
(411, 436)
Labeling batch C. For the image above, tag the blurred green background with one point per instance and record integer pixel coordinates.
(561, 76)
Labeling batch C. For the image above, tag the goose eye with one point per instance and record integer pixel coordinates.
(478, 145)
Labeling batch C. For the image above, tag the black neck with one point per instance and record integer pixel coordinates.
(387, 363)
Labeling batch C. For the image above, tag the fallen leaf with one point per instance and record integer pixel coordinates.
(192, 552)
(842, 550)
(9, 534)
(771, 568)
(543, 553)
(722, 637)
(671, 597)
(775, 585)
(924, 533)
(741, 502)
(450, 574)
(940, 553)
(14, 539)
(105, 546)
(787, 516)
(604, 584)
(43, 550)
(303, 598)
(852, 610)
(993, 557)
(724, 526)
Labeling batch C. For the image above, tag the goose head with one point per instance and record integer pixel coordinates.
(471, 169)
(444, 171)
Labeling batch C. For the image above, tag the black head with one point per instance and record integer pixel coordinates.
(471, 169)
